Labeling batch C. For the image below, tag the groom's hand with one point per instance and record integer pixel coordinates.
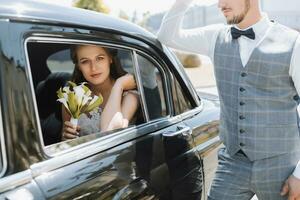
(292, 188)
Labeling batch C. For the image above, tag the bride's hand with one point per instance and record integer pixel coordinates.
(69, 131)
(126, 82)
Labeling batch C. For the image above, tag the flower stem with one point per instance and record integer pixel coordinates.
(74, 121)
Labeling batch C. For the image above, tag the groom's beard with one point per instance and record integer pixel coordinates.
(239, 18)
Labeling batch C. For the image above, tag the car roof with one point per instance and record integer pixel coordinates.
(42, 12)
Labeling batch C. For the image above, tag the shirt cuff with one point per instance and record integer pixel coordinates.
(297, 171)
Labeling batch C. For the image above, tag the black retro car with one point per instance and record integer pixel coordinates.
(169, 152)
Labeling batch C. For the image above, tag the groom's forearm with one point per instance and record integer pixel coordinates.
(172, 21)
(200, 40)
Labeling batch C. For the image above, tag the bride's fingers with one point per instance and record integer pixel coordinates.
(69, 136)
(69, 124)
(71, 130)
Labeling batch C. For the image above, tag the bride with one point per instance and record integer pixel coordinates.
(99, 67)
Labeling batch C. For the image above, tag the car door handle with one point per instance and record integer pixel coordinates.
(177, 142)
(181, 130)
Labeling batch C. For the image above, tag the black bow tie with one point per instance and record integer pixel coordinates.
(236, 33)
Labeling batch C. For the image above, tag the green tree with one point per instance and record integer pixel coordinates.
(95, 5)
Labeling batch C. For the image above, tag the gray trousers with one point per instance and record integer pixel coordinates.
(238, 178)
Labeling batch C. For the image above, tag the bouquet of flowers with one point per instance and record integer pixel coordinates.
(78, 99)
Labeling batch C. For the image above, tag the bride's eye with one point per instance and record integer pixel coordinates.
(83, 62)
(99, 58)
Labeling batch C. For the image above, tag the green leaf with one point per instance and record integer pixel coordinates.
(94, 105)
(60, 93)
(85, 88)
(72, 104)
(72, 83)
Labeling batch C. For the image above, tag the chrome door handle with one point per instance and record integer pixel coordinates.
(181, 131)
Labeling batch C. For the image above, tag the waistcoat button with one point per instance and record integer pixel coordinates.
(244, 74)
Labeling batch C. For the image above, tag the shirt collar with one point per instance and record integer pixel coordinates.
(261, 27)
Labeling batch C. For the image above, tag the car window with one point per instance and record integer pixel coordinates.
(152, 81)
(52, 66)
(181, 102)
(60, 62)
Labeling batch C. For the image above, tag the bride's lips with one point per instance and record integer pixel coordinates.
(96, 75)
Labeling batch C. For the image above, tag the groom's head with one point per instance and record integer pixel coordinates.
(235, 11)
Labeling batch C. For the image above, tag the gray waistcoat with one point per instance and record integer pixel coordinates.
(258, 101)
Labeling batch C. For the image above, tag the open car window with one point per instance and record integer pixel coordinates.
(152, 80)
(52, 66)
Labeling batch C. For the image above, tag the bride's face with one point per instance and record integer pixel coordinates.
(94, 63)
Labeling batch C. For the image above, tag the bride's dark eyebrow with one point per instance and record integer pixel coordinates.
(101, 54)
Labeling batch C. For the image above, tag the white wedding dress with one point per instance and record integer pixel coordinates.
(90, 123)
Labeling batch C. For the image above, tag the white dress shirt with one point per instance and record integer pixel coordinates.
(202, 40)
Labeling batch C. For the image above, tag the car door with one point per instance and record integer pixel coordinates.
(151, 161)
(205, 128)
(202, 120)
(132, 170)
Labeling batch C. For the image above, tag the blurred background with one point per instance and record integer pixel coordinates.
(149, 14)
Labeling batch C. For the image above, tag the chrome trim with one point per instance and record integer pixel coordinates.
(15, 180)
(73, 41)
(3, 149)
(192, 112)
(33, 96)
(207, 145)
(140, 85)
(171, 91)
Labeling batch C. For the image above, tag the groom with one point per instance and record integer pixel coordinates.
(257, 69)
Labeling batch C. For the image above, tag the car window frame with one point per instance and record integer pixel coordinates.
(57, 40)
(196, 99)
(165, 81)
(2, 146)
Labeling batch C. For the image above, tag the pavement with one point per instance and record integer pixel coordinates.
(202, 76)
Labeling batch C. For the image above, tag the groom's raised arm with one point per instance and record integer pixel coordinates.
(197, 40)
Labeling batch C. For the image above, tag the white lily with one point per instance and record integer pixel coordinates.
(79, 94)
(64, 101)
(77, 99)
(93, 100)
